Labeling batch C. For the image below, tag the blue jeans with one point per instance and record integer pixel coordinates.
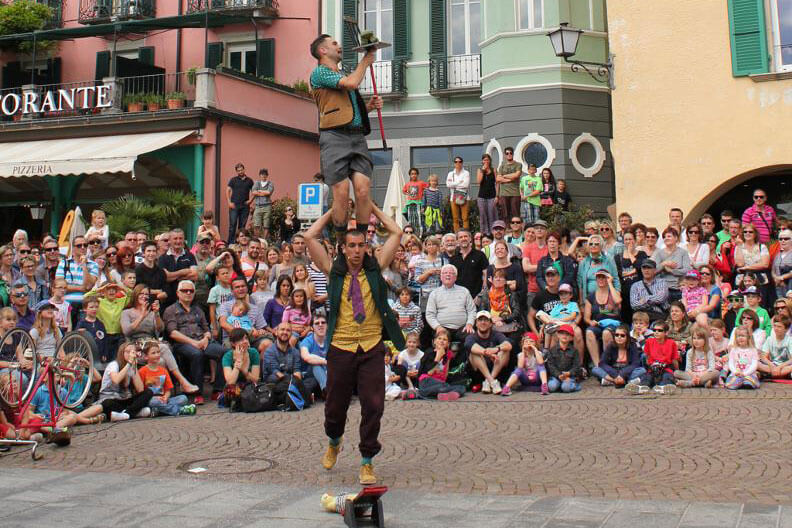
(320, 373)
(237, 219)
(568, 385)
(195, 359)
(636, 373)
(172, 408)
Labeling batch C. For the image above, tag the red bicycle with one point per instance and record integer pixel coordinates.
(61, 381)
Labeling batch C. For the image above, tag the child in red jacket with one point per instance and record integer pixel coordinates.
(662, 359)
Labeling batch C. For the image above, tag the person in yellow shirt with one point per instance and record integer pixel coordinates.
(359, 311)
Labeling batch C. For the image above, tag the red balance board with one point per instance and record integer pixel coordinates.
(366, 508)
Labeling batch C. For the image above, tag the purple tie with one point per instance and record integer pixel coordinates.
(355, 296)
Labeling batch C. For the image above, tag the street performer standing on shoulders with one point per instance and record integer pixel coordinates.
(343, 126)
(359, 310)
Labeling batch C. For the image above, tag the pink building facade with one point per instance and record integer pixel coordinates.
(220, 84)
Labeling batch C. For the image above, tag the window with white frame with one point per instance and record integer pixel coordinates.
(531, 14)
(242, 57)
(465, 27)
(781, 24)
(378, 17)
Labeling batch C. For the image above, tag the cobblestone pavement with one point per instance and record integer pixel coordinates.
(699, 445)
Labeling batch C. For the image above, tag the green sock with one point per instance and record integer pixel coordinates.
(365, 460)
(334, 442)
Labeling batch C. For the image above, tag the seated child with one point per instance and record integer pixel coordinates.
(409, 362)
(694, 295)
(775, 361)
(530, 371)
(392, 388)
(700, 364)
(93, 326)
(743, 361)
(640, 329)
(298, 315)
(409, 314)
(433, 377)
(662, 358)
(156, 378)
(239, 316)
(719, 346)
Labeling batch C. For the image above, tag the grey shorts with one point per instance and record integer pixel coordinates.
(343, 153)
(261, 216)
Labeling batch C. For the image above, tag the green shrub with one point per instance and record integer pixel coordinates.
(278, 212)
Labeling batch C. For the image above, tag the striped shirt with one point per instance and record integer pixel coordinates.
(319, 280)
(72, 271)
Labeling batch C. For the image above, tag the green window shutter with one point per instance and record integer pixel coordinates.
(54, 70)
(214, 54)
(265, 58)
(748, 33)
(102, 64)
(146, 55)
(401, 28)
(438, 69)
(350, 10)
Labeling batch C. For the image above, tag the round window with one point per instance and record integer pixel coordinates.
(586, 155)
(535, 153)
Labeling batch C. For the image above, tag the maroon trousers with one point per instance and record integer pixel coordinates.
(366, 370)
(508, 208)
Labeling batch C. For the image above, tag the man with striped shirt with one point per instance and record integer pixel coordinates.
(80, 274)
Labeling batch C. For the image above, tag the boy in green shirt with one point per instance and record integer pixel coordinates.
(530, 187)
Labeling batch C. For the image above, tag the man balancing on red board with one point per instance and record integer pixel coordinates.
(359, 311)
(343, 127)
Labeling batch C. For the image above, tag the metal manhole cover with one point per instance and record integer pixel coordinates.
(229, 465)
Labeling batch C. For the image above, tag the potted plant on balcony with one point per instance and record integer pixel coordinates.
(154, 102)
(134, 102)
(191, 74)
(175, 100)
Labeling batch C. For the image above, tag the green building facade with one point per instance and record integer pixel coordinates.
(468, 76)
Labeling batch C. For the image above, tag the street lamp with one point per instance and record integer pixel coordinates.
(38, 212)
(565, 41)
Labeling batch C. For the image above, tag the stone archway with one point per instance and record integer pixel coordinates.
(759, 177)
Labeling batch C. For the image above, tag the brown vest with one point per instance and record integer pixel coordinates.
(336, 110)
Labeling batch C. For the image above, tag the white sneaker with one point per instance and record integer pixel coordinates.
(496, 387)
(118, 416)
(636, 389)
(606, 383)
(666, 390)
(485, 387)
(145, 412)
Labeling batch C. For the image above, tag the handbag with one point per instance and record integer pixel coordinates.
(258, 397)
(460, 197)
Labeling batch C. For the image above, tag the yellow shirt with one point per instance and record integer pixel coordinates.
(348, 333)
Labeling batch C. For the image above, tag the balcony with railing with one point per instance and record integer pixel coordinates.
(455, 74)
(56, 13)
(269, 7)
(102, 11)
(389, 76)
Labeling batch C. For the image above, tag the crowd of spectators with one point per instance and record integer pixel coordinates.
(512, 306)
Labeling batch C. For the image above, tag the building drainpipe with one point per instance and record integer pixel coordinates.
(178, 49)
(217, 171)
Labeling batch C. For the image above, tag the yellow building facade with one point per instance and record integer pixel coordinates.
(689, 124)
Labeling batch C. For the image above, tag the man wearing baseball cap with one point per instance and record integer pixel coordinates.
(498, 233)
(543, 304)
(650, 295)
(488, 352)
(563, 363)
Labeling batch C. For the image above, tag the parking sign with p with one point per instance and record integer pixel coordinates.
(309, 206)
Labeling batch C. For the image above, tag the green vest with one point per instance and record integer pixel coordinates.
(379, 292)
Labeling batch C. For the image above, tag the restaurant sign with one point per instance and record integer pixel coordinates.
(82, 98)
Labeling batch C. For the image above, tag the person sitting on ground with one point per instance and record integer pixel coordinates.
(281, 360)
(313, 350)
(433, 377)
(662, 359)
(241, 363)
(409, 313)
(393, 378)
(298, 315)
(743, 361)
(530, 372)
(601, 313)
(563, 363)
(775, 361)
(503, 305)
(750, 320)
(679, 328)
(752, 300)
(621, 361)
(488, 352)
(156, 378)
(640, 329)
(650, 295)
(694, 296)
(408, 362)
(116, 395)
(566, 311)
(451, 306)
(700, 365)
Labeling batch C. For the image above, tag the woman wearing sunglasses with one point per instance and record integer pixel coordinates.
(782, 264)
(621, 361)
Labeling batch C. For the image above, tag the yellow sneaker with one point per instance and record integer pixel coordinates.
(367, 476)
(331, 456)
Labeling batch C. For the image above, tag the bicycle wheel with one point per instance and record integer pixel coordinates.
(17, 379)
(73, 369)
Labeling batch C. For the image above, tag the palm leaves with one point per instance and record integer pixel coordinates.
(163, 209)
